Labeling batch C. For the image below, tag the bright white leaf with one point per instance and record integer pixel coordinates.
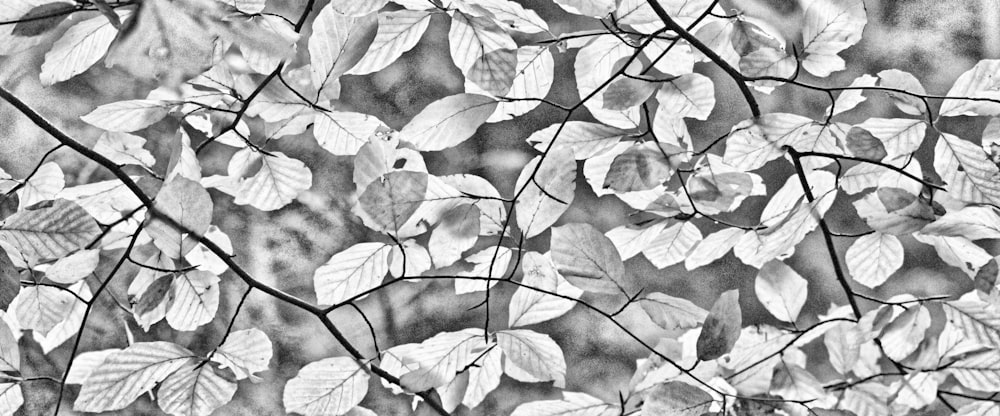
(41, 308)
(448, 121)
(572, 404)
(849, 99)
(978, 371)
(489, 262)
(127, 374)
(673, 244)
(591, 8)
(484, 377)
(79, 48)
(548, 191)
(712, 247)
(128, 116)
(343, 133)
(900, 136)
(331, 386)
(781, 290)
(44, 185)
(351, 272)
(690, 95)
(532, 357)
(872, 258)
(589, 260)
(335, 38)
(74, 267)
(975, 320)
(85, 363)
(583, 139)
(977, 82)
(11, 398)
(973, 222)
(10, 353)
(529, 306)
(830, 27)
(471, 38)
(245, 352)
(630, 240)
(672, 313)
(457, 232)
(194, 390)
(959, 252)
(277, 183)
(194, 300)
(903, 335)
(357, 8)
(513, 15)
(532, 78)
(438, 359)
(124, 149)
(398, 32)
(904, 81)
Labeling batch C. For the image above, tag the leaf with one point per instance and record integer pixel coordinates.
(672, 245)
(416, 262)
(186, 202)
(44, 185)
(589, 260)
(781, 290)
(584, 139)
(448, 122)
(344, 133)
(10, 353)
(830, 27)
(638, 169)
(354, 8)
(712, 247)
(904, 81)
(721, 328)
(456, 233)
(532, 357)
(973, 222)
(74, 267)
(351, 272)
(977, 82)
(532, 78)
(513, 16)
(439, 359)
(591, 8)
(80, 47)
(676, 398)
(11, 398)
(128, 116)
(626, 93)
(977, 322)
(862, 144)
(398, 32)
(194, 390)
(672, 313)
(594, 64)
(690, 95)
(548, 189)
(245, 352)
(127, 374)
(331, 386)
(484, 377)
(978, 371)
(278, 182)
(194, 300)
(85, 363)
(124, 149)
(872, 258)
(959, 252)
(849, 99)
(69, 325)
(900, 136)
(49, 232)
(489, 262)
(471, 38)
(390, 201)
(572, 404)
(529, 306)
(335, 44)
(40, 19)
(903, 335)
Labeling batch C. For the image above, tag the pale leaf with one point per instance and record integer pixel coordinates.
(448, 122)
(672, 313)
(277, 183)
(194, 390)
(589, 260)
(532, 357)
(194, 300)
(872, 258)
(572, 404)
(331, 386)
(529, 306)
(398, 32)
(245, 352)
(351, 272)
(127, 374)
(128, 116)
(549, 187)
(79, 48)
(673, 244)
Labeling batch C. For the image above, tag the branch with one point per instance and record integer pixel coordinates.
(133, 187)
(708, 52)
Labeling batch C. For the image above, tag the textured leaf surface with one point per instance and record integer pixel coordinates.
(49, 232)
(194, 300)
(245, 352)
(782, 290)
(448, 121)
(439, 359)
(194, 390)
(128, 373)
(331, 386)
(549, 190)
(397, 33)
(350, 272)
(532, 357)
(722, 327)
(672, 313)
(277, 183)
(589, 260)
(79, 48)
(676, 398)
(871, 259)
(529, 306)
(128, 116)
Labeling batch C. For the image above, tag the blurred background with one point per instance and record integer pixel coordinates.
(936, 40)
